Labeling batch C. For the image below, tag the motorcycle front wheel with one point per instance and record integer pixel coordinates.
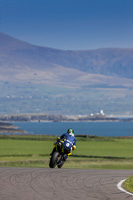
(54, 159)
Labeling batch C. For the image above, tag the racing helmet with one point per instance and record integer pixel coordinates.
(70, 131)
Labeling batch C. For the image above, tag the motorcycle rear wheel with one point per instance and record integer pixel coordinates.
(59, 166)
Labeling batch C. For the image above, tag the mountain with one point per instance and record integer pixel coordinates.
(16, 54)
(92, 79)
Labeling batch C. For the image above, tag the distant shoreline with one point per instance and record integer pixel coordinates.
(10, 128)
(6, 121)
(43, 117)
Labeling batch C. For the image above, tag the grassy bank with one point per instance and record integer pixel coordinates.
(91, 152)
(128, 184)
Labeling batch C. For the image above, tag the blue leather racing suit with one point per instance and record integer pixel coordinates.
(69, 141)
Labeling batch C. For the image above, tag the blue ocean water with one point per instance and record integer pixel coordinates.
(111, 129)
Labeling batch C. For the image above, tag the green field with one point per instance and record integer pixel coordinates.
(97, 152)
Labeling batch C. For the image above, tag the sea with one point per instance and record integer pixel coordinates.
(111, 129)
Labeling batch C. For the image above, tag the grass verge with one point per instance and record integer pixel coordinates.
(128, 184)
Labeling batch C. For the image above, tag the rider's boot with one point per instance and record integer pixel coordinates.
(65, 157)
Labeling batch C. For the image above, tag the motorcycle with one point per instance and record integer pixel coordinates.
(59, 155)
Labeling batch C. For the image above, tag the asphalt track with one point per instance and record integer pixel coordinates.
(61, 184)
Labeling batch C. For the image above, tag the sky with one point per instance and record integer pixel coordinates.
(69, 24)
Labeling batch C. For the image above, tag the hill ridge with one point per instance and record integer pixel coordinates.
(104, 61)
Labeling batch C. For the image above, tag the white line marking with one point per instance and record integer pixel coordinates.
(119, 186)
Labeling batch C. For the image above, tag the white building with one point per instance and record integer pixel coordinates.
(101, 112)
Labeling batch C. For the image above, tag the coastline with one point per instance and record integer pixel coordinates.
(6, 126)
(43, 117)
(10, 128)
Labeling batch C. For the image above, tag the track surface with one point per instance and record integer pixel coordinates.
(61, 184)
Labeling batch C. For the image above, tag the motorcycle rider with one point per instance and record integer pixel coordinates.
(69, 142)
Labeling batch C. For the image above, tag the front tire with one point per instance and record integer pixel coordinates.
(54, 159)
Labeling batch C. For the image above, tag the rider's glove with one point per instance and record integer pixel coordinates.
(58, 139)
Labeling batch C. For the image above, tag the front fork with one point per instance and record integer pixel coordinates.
(59, 160)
